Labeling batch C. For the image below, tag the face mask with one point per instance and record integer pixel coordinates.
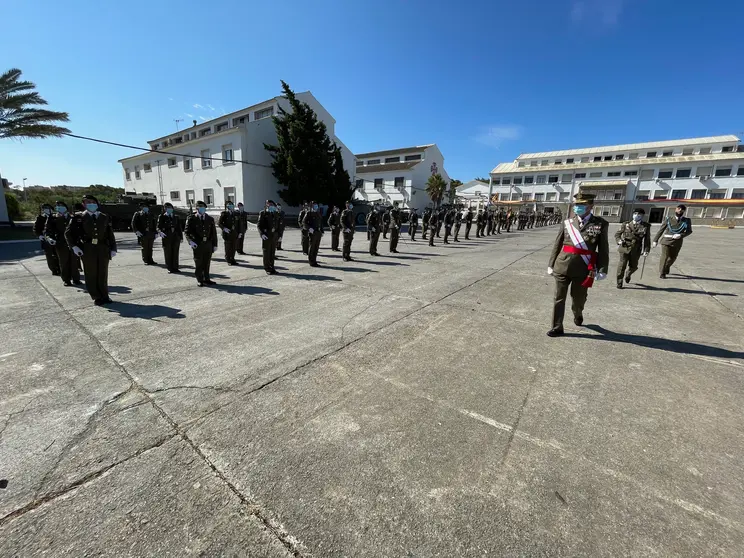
(145, 210)
(278, 207)
(637, 217)
(47, 211)
(315, 208)
(230, 207)
(169, 211)
(61, 209)
(580, 210)
(272, 209)
(351, 206)
(240, 208)
(201, 210)
(92, 207)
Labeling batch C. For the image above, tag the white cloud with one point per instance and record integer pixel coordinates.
(170, 98)
(189, 115)
(605, 13)
(495, 136)
(203, 119)
(197, 106)
(210, 107)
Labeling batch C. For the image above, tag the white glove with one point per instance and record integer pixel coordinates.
(226, 230)
(619, 242)
(214, 249)
(654, 245)
(264, 237)
(311, 231)
(42, 237)
(113, 253)
(550, 271)
(192, 244)
(78, 252)
(374, 229)
(676, 236)
(240, 235)
(280, 239)
(139, 234)
(601, 276)
(51, 241)
(347, 230)
(161, 234)
(644, 254)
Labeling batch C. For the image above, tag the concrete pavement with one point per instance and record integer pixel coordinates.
(406, 405)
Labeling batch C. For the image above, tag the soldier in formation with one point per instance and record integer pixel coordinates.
(373, 227)
(395, 223)
(334, 224)
(229, 224)
(468, 222)
(347, 225)
(633, 240)
(303, 228)
(268, 230)
(672, 234)
(449, 221)
(440, 221)
(201, 233)
(480, 223)
(433, 224)
(280, 224)
(242, 228)
(54, 231)
(171, 236)
(425, 222)
(489, 222)
(313, 223)
(413, 220)
(386, 222)
(144, 226)
(48, 249)
(458, 224)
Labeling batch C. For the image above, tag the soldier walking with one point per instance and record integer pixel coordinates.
(413, 220)
(242, 228)
(54, 231)
(395, 224)
(201, 233)
(229, 224)
(580, 255)
(48, 249)
(171, 236)
(347, 224)
(314, 225)
(672, 233)
(468, 223)
(433, 225)
(425, 222)
(373, 228)
(91, 237)
(144, 226)
(334, 223)
(458, 224)
(268, 221)
(633, 241)
(303, 228)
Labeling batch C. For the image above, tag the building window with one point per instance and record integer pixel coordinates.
(714, 212)
(618, 196)
(175, 195)
(227, 155)
(529, 179)
(608, 158)
(613, 174)
(230, 194)
(517, 180)
(137, 174)
(633, 156)
(392, 159)
(580, 175)
(569, 161)
(540, 179)
(221, 127)
(544, 163)
(740, 171)
(703, 171)
(539, 197)
(172, 162)
(413, 157)
(526, 196)
(566, 178)
(667, 154)
(666, 173)
(205, 132)
(660, 196)
(148, 167)
(551, 196)
(598, 159)
(650, 154)
(642, 195)
(615, 211)
(727, 149)
(177, 140)
(359, 163)
(533, 163)
(687, 151)
(717, 195)
(127, 174)
(604, 211)
(619, 157)
(496, 181)
(698, 194)
(520, 164)
(373, 162)
(737, 195)
(155, 146)
(647, 174)
(683, 173)
(186, 137)
(193, 135)
(553, 179)
(265, 113)
(400, 181)
(238, 121)
(598, 174)
(631, 173)
(679, 194)
(190, 196)
(704, 150)
(186, 163)
(696, 212)
(558, 162)
(721, 171)
(206, 162)
(378, 183)
(515, 197)
(585, 159)
(208, 196)
(564, 196)
(506, 181)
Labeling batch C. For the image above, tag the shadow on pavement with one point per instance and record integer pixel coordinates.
(681, 347)
(144, 311)
(309, 277)
(119, 290)
(676, 276)
(350, 269)
(244, 289)
(678, 290)
(381, 262)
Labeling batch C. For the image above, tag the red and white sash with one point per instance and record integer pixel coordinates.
(577, 239)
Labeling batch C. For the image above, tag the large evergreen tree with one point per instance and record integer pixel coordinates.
(306, 162)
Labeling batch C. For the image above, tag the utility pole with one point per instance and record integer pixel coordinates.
(177, 120)
(25, 193)
(160, 182)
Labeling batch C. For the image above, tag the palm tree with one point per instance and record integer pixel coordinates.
(20, 116)
(435, 187)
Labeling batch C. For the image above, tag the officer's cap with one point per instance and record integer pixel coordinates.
(201, 204)
(270, 202)
(639, 210)
(682, 207)
(45, 205)
(90, 197)
(583, 197)
(168, 204)
(60, 202)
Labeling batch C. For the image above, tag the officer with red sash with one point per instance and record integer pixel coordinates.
(580, 255)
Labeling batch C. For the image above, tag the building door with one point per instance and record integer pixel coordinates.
(656, 215)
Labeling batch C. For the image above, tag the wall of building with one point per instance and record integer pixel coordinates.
(389, 192)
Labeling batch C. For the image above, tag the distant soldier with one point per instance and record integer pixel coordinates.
(531, 222)
(334, 223)
(509, 220)
(242, 228)
(672, 233)
(386, 222)
(479, 223)
(144, 226)
(171, 236)
(201, 233)
(489, 222)
(373, 226)
(449, 221)
(303, 228)
(347, 225)
(91, 237)
(313, 222)
(433, 225)
(425, 222)
(49, 251)
(633, 241)
(440, 221)
(395, 223)
(468, 222)
(229, 223)
(280, 223)
(458, 224)
(366, 222)
(54, 231)
(268, 230)
(500, 221)
(413, 220)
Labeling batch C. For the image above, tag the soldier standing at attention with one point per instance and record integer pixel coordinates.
(280, 224)
(242, 228)
(489, 222)
(54, 231)
(413, 220)
(268, 230)
(91, 237)
(440, 221)
(347, 224)
(633, 241)
(580, 254)
(334, 223)
(468, 222)
(229, 224)
(395, 224)
(458, 224)
(171, 236)
(314, 225)
(433, 225)
(672, 233)
(449, 220)
(373, 228)
(479, 224)
(49, 251)
(425, 222)
(143, 225)
(303, 228)
(202, 236)
(386, 222)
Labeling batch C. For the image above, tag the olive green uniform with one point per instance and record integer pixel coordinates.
(395, 224)
(268, 225)
(433, 224)
(170, 226)
(55, 228)
(347, 225)
(312, 220)
(242, 229)
(373, 227)
(633, 239)
(671, 246)
(334, 223)
(230, 221)
(144, 225)
(201, 230)
(49, 252)
(92, 233)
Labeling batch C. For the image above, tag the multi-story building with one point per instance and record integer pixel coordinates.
(398, 175)
(187, 171)
(473, 194)
(706, 174)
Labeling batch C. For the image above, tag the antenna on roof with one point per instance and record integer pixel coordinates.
(177, 120)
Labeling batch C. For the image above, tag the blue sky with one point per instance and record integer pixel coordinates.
(485, 80)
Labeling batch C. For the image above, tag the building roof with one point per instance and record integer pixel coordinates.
(588, 184)
(402, 151)
(386, 167)
(631, 146)
(472, 184)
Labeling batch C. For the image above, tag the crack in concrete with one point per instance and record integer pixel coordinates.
(11, 416)
(213, 388)
(706, 291)
(520, 411)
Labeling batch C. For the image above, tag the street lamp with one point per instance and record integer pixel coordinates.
(25, 194)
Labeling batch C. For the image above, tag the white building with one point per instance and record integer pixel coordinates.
(473, 194)
(706, 174)
(398, 175)
(184, 174)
